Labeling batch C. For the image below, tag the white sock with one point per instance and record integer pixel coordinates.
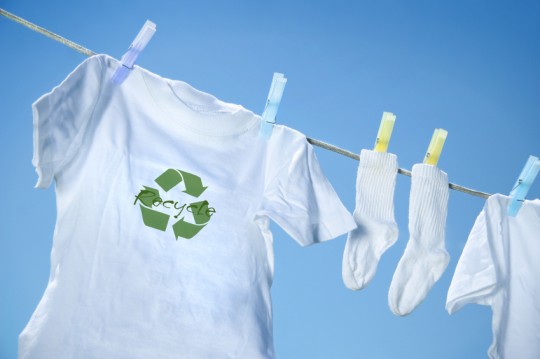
(374, 215)
(425, 257)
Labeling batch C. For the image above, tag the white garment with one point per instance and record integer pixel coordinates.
(425, 258)
(374, 215)
(139, 169)
(500, 267)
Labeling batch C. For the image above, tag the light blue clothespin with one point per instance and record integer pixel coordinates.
(272, 103)
(137, 46)
(524, 182)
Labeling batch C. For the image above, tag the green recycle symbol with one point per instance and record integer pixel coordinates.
(200, 210)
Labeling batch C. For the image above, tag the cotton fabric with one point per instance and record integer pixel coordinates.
(162, 247)
(374, 215)
(499, 267)
(425, 257)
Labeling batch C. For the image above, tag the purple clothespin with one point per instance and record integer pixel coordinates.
(137, 46)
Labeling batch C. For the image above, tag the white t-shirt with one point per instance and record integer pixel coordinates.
(500, 267)
(162, 246)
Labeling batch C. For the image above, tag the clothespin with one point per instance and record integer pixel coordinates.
(523, 184)
(272, 103)
(385, 132)
(137, 46)
(435, 147)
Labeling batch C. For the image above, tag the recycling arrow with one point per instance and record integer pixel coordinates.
(172, 177)
(201, 216)
(200, 212)
(154, 219)
(150, 197)
(185, 229)
(147, 196)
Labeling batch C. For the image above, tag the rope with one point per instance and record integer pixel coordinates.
(313, 141)
(404, 172)
(47, 33)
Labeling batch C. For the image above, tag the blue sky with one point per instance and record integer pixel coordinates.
(468, 67)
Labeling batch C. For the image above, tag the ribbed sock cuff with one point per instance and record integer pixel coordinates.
(376, 181)
(428, 204)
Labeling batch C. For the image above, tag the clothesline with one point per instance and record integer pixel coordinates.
(313, 141)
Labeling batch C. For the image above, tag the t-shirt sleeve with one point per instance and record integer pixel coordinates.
(60, 118)
(475, 278)
(300, 199)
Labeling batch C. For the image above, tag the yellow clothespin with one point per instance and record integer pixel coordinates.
(385, 132)
(435, 147)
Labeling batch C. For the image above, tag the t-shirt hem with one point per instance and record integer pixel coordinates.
(333, 229)
(478, 296)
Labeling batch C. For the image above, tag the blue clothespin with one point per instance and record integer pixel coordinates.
(272, 103)
(524, 182)
(137, 46)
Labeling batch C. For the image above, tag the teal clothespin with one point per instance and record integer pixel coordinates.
(272, 103)
(137, 46)
(523, 184)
